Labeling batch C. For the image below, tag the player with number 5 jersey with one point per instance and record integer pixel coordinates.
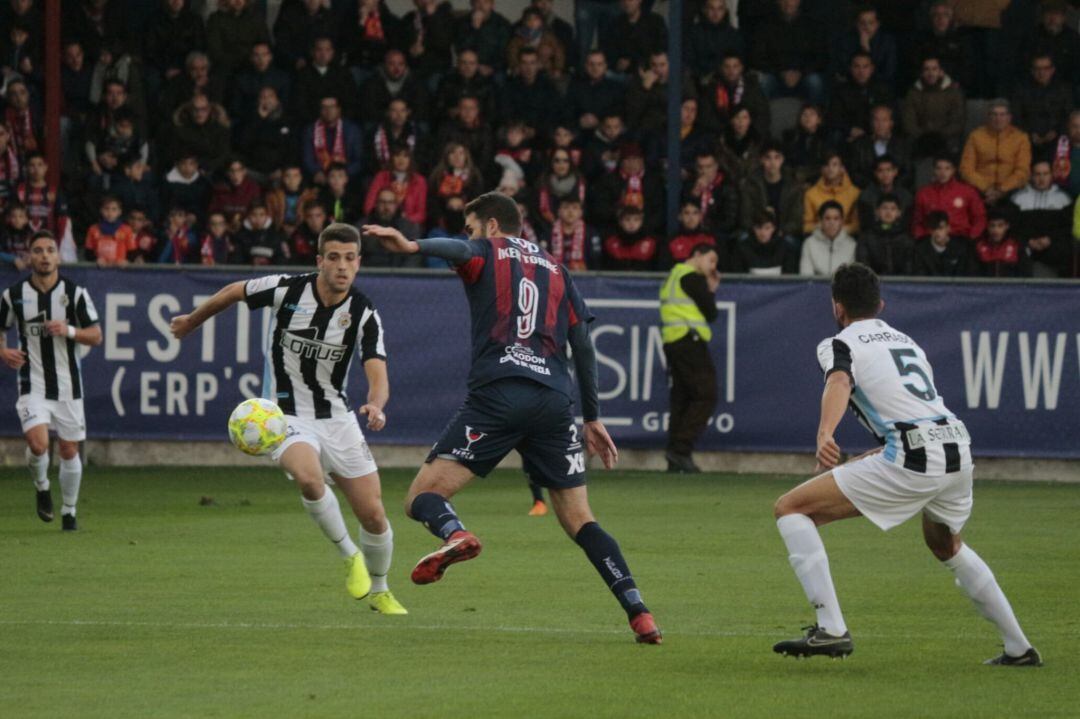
(526, 316)
(923, 467)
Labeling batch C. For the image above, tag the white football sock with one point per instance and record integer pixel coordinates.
(327, 514)
(977, 581)
(39, 468)
(70, 480)
(378, 550)
(807, 556)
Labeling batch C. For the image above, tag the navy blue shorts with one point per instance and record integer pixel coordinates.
(520, 414)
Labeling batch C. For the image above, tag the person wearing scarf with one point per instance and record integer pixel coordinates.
(560, 181)
(10, 170)
(572, 242)
(331, 140)
(1066, 159)
(20, 119)
(180, 247)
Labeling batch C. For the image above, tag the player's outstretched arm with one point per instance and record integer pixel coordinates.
(378, 394)
(834, 400)
(391, 239)
(183, 325)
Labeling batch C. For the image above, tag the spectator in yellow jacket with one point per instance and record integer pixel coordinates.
(997, 156)
(834, 184)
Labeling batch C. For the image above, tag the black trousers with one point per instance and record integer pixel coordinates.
(693, 391)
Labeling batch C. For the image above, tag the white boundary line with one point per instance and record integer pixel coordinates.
(401, 625)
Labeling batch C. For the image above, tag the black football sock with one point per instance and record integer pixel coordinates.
(537, 491)
(437, 514)
(603, 551)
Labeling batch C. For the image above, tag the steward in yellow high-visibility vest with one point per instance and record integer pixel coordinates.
(687, 306)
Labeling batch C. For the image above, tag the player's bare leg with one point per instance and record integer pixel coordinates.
(37, 460)
(978, 582)
(799, 513)
(571, 506)
(70, 481)
(301, 461)
(364, 495)
(428, 502)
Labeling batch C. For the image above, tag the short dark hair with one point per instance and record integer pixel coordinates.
(629, 211)
(936, 219)
(339, 232)
(496, 206)
(881, 159)
(772, 146)
(762, 218)
(945, 157)
(888, 197)
(858, 289)
(42, 235)
(702, 247)
(109, 199)
(998, 213)
(830, 205)
(337, 167)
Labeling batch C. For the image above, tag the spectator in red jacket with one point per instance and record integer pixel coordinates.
(631, 247)
(959, 200)
(691, 233)
(408, 185)
(999, 253)
(234, 196)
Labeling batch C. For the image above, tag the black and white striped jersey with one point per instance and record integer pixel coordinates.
(895, 398)
(312, 345)
(52, 368)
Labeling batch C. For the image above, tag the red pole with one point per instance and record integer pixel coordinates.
(53, 97)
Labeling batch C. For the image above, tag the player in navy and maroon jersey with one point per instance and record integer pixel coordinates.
(526, 313)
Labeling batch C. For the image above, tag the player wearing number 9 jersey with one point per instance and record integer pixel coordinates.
(526, 314)
(924, 466)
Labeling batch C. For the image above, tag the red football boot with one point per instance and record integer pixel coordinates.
(645, 628)
(460, 547)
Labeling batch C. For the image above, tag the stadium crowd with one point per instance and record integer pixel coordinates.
(813, 132)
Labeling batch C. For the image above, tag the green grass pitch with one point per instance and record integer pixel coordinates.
(160, 607)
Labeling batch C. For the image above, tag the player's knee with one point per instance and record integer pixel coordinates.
(944, 548)
(783, 507)
(69, 450)
(37, 446)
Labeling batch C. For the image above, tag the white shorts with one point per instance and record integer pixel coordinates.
(339, 441)
(66, 416)
(889, 495)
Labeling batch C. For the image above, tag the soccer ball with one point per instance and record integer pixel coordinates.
(257, 426)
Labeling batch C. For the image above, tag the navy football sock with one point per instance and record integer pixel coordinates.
(537, 491)
(603, 551)
(437, 514)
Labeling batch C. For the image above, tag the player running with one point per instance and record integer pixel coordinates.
(924, 466)
(319, 321)
(526, 311)
(53, 315)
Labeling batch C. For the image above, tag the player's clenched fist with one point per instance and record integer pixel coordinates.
(181, 326)
(828, 452)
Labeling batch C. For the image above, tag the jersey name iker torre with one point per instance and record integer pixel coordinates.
(523, 304)
(312, 345)
(894, 397)
(52, 370)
